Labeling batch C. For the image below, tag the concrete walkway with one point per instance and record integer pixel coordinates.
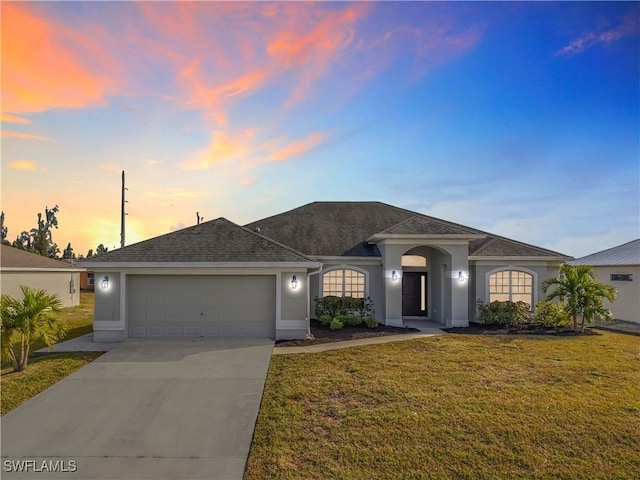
(147, 409)
(619, 326)
(83, 343)
(324, 347)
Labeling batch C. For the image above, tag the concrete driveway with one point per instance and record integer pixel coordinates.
(148, 409)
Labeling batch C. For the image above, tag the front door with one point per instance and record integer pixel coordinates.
(414, 294)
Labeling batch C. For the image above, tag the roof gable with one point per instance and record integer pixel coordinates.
(625, 254)
(423, 225)
(216, 241)
(11, 257)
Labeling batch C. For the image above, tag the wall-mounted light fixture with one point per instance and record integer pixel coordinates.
(394, 276)
(294, 283)
(461, 276)
(104, 284)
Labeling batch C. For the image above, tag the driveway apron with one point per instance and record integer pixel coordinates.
(148, 409)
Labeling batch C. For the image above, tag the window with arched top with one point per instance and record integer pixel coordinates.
(511, 285)
(344, 282)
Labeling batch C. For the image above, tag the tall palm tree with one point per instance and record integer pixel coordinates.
(583, 293)
(29, 319)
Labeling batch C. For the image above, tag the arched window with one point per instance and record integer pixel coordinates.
(511, 285)
(344, 282)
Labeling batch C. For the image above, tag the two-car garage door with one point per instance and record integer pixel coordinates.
(201, 306)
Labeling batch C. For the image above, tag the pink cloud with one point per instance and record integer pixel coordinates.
(629, 26)
(26, 165)
(45, 64)
(297, 147)
(9, 118)
(26, 136)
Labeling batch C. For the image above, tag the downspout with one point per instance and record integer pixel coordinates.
(307, 319)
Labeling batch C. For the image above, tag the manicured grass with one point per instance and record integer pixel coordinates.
(455, 406)
(40, 374)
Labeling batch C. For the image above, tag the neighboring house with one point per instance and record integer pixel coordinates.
(87, 281)
(18, 267)
(619, 267)
(222, 279)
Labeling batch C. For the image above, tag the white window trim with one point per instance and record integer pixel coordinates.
(344, 267)
(534, 284)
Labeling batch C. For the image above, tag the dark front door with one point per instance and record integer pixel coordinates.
(414, 294)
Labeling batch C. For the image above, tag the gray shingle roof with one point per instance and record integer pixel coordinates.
(342, 229)
(11, 257)
(421, 224)
(215, 241)
(494, 246)
(625, 254)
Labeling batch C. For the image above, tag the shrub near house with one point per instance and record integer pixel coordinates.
(338, 312)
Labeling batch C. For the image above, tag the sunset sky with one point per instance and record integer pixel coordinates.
(522, 119)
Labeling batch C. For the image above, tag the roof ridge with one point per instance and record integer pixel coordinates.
(275, 242)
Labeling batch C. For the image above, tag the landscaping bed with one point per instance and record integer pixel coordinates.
(523, 329)
(324, 334)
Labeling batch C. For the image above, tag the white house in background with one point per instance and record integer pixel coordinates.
(619, 267)
(18, 267)
(222, 279)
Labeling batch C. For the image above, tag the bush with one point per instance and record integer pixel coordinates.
(503, 313)
(371, 322)
(549, 314)
(350, 320)
(336, 324)
(347, 311)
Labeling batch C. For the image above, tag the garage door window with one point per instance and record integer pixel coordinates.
(343, 282)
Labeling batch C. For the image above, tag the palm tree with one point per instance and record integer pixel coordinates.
(29, 319)
(583, 293)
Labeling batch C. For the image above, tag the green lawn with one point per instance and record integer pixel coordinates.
(455, 406)
(42, 372)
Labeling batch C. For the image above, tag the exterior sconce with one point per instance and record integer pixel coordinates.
(294, 283)
(104, 284)
(461, 276)
(394, 276)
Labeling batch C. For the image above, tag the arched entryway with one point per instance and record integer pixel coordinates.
(425, 289)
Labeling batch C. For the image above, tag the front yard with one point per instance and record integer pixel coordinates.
(42, 372)
(456, 406)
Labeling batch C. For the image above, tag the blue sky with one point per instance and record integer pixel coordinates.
(522, 119)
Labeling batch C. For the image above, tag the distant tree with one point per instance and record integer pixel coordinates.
(101, 249)
(3, 230)
(40, 239)
(68, 253)
(583, 294)
(24, 321)
(90, 253)
(23, 242)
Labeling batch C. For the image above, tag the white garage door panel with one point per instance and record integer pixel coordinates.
(201, 306)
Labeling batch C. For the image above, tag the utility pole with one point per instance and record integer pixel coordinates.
(122, 213)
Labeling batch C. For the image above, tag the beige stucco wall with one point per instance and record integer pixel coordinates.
(627, 305)
(64, 284)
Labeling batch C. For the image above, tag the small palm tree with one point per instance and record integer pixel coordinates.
(583, 293)
(29, 319)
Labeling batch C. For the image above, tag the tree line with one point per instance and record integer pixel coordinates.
(39, 239)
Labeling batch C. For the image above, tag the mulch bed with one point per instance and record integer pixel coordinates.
(324, 334)
(525, 329)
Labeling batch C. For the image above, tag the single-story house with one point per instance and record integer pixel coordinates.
(222, 279)
(18, 267)
(619, 267)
